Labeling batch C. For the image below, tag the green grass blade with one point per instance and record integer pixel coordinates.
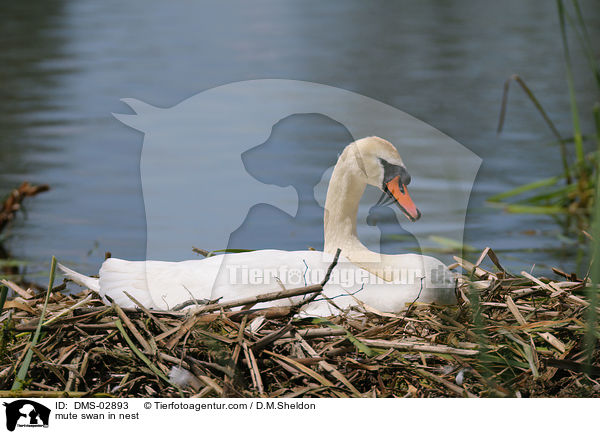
(597, 124)
(22, 373)
(525, 188)
(558, 194)
(363, 348)
(592, 292)
(141, 355)
(570, 83)
(532, 209)
(586, 44)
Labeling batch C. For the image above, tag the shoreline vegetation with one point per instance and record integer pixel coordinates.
(570, 197)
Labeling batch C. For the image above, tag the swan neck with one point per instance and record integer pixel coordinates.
(346, 187)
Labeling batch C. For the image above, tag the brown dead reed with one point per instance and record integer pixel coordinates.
(509, 335)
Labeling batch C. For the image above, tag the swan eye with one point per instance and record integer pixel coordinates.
(391, 171)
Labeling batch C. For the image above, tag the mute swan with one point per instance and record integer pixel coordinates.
(384, 282)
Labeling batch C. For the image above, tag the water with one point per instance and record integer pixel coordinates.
(64, 66)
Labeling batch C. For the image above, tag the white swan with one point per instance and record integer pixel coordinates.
(384, 282)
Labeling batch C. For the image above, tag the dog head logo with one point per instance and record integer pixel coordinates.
(26, 413)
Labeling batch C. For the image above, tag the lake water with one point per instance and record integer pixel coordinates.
(65, 65)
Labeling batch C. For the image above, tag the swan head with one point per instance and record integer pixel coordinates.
(380, 162)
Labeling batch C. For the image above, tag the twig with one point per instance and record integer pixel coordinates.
(132, 328)
(326, 366)
(12, 203)
(306, 370)
(415, 346)
(254, 371)
(141, 355)
(310, 299)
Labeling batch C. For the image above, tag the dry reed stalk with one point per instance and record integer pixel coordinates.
(526, 342)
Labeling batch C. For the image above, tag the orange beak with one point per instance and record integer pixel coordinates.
(400, 194)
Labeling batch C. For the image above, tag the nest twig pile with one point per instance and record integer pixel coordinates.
(508, 336)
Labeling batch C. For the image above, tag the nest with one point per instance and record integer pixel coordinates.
(508, 336)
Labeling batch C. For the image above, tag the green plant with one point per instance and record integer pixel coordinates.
(569, 195)
(22, 373)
